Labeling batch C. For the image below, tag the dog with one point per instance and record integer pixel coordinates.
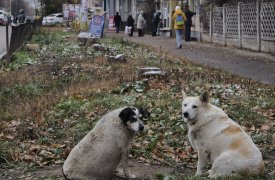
(218, 138)
(98, 154)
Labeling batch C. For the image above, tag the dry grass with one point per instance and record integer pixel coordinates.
(37, 96)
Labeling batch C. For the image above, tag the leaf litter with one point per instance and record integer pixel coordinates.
(86, 86)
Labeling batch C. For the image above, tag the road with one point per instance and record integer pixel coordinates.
(3, 40)
(253, 65)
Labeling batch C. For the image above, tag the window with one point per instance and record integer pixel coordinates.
(165, 13)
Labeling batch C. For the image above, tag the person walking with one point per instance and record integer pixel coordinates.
(117, 22)
(130, 23)
(189, 14)
(140, 24)
(155, 21)
(179, 19)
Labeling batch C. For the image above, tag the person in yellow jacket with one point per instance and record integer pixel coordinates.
(179, 19)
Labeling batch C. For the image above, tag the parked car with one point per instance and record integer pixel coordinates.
(3, 18)
(53, 19)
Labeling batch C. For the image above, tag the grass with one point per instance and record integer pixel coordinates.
(59, 99)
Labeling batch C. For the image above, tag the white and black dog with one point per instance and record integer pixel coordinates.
(98, 154)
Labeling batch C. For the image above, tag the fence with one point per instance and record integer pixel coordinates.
(250, 25)
(19, 35)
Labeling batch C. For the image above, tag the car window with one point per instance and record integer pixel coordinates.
(60, 16)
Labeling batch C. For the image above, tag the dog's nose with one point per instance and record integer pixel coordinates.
(141, 127)
(186, 114)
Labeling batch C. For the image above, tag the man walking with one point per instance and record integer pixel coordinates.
(117, 22)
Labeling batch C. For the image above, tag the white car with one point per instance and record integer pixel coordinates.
(3, 18)
(53, 19)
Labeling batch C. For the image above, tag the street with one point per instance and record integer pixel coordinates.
(3, 40)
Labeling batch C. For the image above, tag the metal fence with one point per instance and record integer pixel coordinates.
(243, 21)
(19, 34)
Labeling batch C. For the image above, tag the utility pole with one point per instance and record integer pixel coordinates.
(10, 7)
(16, 7)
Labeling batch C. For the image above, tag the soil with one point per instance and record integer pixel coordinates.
(140, 169)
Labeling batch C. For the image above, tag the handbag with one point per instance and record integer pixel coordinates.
(128, 29)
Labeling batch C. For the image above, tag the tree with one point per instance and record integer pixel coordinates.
(55, 6)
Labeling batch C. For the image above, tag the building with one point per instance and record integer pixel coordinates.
(150, 7)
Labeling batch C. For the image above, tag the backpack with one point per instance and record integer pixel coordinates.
(179, 20)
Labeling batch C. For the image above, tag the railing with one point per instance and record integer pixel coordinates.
(19, 34)
(254, 21)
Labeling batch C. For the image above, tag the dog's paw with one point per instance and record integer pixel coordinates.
(198, 173)
(130, 176)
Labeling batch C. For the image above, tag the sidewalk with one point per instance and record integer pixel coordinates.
(254, 65)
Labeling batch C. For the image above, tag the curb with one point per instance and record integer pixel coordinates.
(2, 55)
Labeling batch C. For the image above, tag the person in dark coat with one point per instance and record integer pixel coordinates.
(130, 22)
(189, 14)
(117, 22)
(155, 21)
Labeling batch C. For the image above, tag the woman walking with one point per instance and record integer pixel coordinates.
(130, 23)
(140, 23)
(179, 19)
(155, 21)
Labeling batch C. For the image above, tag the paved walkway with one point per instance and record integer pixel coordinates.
(254, 65)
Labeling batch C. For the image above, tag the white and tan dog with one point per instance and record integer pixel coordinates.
(98, 154)
(218, 138)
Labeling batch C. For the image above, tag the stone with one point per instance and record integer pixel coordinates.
(87, 38)
(32, 47)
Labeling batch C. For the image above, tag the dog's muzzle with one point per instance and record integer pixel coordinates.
(141, 127)
(186, 114)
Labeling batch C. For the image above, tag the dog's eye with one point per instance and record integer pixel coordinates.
(194, 106)
(185, 105)
(133, 119)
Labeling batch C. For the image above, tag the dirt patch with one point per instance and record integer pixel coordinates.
(141, 170)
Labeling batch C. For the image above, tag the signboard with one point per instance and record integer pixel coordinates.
(111, 23)
(71, 12)
(97, 26)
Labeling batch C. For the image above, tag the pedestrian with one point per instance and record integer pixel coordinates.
(144, 26)
(179, 19)
(21, 17)
(130, 23)
(117, 22)
(155, 22)
(189, 14)
(140, 24)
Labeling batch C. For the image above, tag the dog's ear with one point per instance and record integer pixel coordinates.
(184, 95)
(204, 97)
(125, 115)
(146, 114)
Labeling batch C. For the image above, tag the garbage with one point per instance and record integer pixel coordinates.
(116, 59)
(151, 72)
(99, 47)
